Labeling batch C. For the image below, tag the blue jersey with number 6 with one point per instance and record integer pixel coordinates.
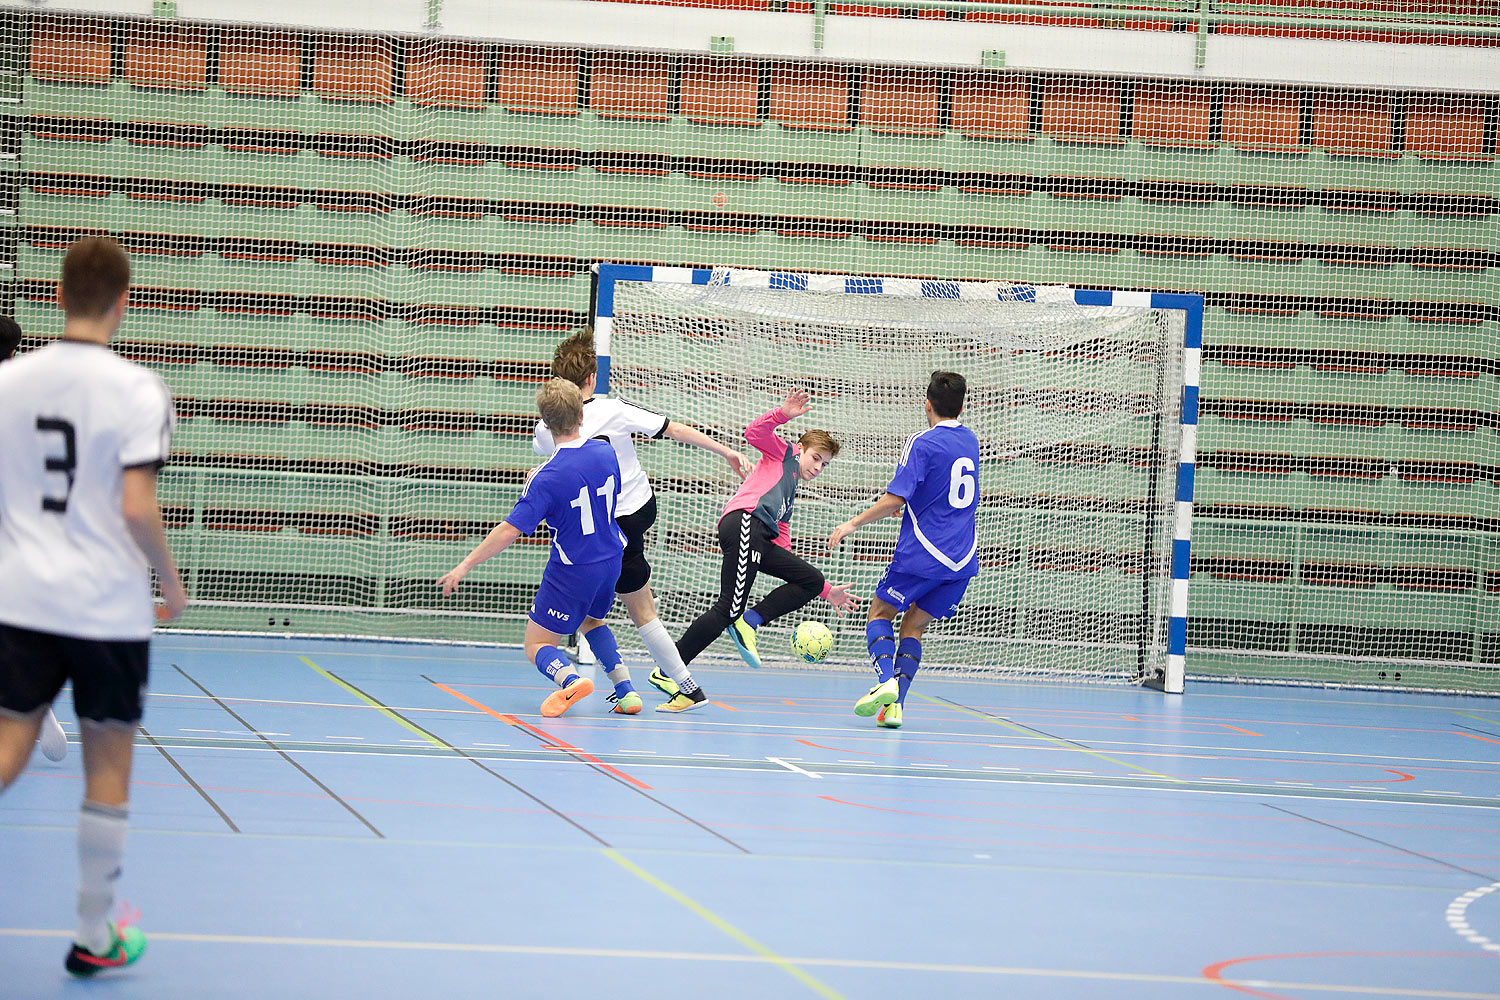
(939, 479)
(575, 492)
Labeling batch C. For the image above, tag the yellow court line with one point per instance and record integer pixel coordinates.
(713, 918)
(418, 730)
(1053, 739)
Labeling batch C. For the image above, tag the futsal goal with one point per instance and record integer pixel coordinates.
(1084, 403)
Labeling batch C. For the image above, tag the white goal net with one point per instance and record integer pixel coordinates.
(1076, 407)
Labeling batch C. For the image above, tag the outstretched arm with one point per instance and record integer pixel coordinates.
(691, 435)
(882, 508)
(496, 542)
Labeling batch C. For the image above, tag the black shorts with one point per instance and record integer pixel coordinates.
(109, 676)
(635, 571)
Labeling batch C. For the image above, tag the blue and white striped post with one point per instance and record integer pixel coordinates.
(1192, 363)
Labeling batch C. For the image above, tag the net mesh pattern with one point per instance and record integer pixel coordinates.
(354, 253)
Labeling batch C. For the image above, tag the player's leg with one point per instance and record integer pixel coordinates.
(53, 740)
(602, 641)
(17, 738)
(33, 669)
(671, 675)
(880, 639)
(804, 581)
(108, 678)
(742, 537)
(544, 648)
(935, 599)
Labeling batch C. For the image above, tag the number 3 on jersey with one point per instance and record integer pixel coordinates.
(586, 509)
(962, 486)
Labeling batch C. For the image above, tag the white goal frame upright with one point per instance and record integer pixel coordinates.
(608, 276)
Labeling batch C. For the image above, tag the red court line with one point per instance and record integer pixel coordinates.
(1473, 737)
(1379, 781)
(1239, 730)
(511, 720)
(1215, 970)
(727, 708)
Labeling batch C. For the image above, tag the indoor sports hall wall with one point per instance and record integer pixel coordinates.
(354, 253)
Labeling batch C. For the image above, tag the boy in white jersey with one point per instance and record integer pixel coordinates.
(615, 421)
(937, 483)
(80, 529)
(53, 741)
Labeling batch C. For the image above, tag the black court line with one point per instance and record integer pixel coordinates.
(1471, 729)
(284, 756)
(189, 779)
(624, 784)
(1386, 843)
(472, 759)
(1012, 722)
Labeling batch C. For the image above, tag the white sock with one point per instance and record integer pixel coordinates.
(101, 846)
(664, 651)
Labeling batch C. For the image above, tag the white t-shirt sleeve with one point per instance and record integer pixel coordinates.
(147, 423)
(541, 440)
(638, 421)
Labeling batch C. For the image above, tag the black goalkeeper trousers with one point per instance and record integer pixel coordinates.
(749, 549)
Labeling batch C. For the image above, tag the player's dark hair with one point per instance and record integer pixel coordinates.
(575, 358)
(946, 392)
(10, 337)
(95, 273)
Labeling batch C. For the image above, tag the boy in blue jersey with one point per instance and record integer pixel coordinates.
(937, 482)
(575, 492)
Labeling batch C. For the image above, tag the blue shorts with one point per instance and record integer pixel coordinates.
(569, 594)
(938, 597)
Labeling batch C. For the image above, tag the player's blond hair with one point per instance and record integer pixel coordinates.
(561, 405)
(575, 358)
(95, 273)
(820, 439)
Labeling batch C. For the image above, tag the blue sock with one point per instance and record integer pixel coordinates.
(753, 618)
(607, 650)
(880, 637)
(551, 661)
(908, 660)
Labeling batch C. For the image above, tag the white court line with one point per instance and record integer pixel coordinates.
(792, 767)
(1217, 985)
(1459, 922)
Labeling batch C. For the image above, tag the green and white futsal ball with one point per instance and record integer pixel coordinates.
(812, 641)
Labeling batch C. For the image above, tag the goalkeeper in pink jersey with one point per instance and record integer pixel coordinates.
(755, 534)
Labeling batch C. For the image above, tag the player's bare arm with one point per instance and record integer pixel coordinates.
(143, 521)
(691, 435)
(497, 541)
(887, 505)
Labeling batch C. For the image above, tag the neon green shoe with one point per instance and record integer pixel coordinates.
(880, 696)
(663, 683)
(744, 640)
(128, 945)
(628, 703)
(890, 717)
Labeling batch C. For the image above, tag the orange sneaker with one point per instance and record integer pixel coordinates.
(562, 699)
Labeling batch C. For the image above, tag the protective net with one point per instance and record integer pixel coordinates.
(354, 251)
(1076, 410)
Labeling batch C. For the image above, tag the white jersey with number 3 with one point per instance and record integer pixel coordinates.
(73, 417)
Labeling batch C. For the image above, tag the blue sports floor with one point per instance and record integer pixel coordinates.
(314, 819)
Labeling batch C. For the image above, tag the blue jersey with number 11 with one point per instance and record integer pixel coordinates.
(575, 492)
(939, 479)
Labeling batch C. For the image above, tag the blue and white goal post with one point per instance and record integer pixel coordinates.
(1170, 623)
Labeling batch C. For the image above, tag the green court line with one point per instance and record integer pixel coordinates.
(1033, 732)
(719, 922)
(418, 730)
